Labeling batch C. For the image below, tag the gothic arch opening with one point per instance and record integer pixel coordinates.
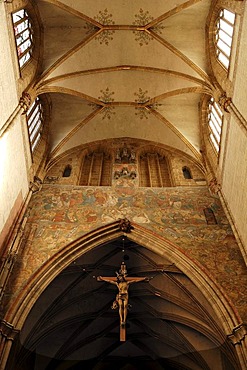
(171, 323)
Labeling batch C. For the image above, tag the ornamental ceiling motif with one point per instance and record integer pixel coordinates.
(124, 69)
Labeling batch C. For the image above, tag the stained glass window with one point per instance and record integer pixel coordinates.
(23, 36)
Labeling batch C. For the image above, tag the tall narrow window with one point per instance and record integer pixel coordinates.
(215, 118)
(23, 36)
(35, 122)
(224, 34)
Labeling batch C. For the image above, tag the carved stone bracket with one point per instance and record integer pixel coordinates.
(124, 173)
(238, 334)
(25, 102)
(35, 185)
(51, 179)
(125, 225)
(225, 102)
(7, 330)
(125, 155)
(214, 186)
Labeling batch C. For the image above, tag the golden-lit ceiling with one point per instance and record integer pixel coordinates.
(124, 69)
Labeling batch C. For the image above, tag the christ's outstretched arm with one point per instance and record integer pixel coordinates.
(101, 278)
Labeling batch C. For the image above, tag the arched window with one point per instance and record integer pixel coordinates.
(23, 36)
(215, 119)
(35, 122)
(209, 216)
(186, 173)
(67, 171)
(223, 36)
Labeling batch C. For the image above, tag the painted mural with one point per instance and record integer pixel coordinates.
(59, 214)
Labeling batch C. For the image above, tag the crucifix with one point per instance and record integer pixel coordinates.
(121, 302)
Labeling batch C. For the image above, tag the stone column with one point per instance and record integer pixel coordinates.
(228, 106)
(7, 331)
(238, 337)
(24, 104)
(15, 241)
(215, 188)
(7, 336)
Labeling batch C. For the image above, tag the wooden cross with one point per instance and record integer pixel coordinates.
(122, 282)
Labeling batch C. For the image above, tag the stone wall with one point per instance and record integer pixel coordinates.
(176, 162)
(18, 165)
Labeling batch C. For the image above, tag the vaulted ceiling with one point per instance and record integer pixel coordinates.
(124, 69)
(118, 69)
(170, 324)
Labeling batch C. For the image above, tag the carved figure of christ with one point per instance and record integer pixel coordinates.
(122, 298)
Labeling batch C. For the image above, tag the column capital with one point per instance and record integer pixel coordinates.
(225, 101)
(7, 330)
(214, 186)
(35, 185)
(238, 334)
(25, 102)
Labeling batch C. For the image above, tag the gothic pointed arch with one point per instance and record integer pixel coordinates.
(179, 269)
(157, 244)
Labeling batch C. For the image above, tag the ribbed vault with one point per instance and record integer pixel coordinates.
(124, 70)
(170, 325)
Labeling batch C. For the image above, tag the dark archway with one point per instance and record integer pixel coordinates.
(171, 325)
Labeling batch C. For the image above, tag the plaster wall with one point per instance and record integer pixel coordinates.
(13, 156)
(240, 93)
(8, 93)
(60, 214)
(13, 179)
(234, 177)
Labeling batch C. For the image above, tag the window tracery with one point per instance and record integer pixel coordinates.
(215, 120)
(154, 171)
(224, 35)
(96, 169)
(23, 36)
(35, 122)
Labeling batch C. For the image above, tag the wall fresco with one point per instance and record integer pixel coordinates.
(59, 214)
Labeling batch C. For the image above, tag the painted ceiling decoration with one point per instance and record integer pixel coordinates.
(125, 70)
(107, 97)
